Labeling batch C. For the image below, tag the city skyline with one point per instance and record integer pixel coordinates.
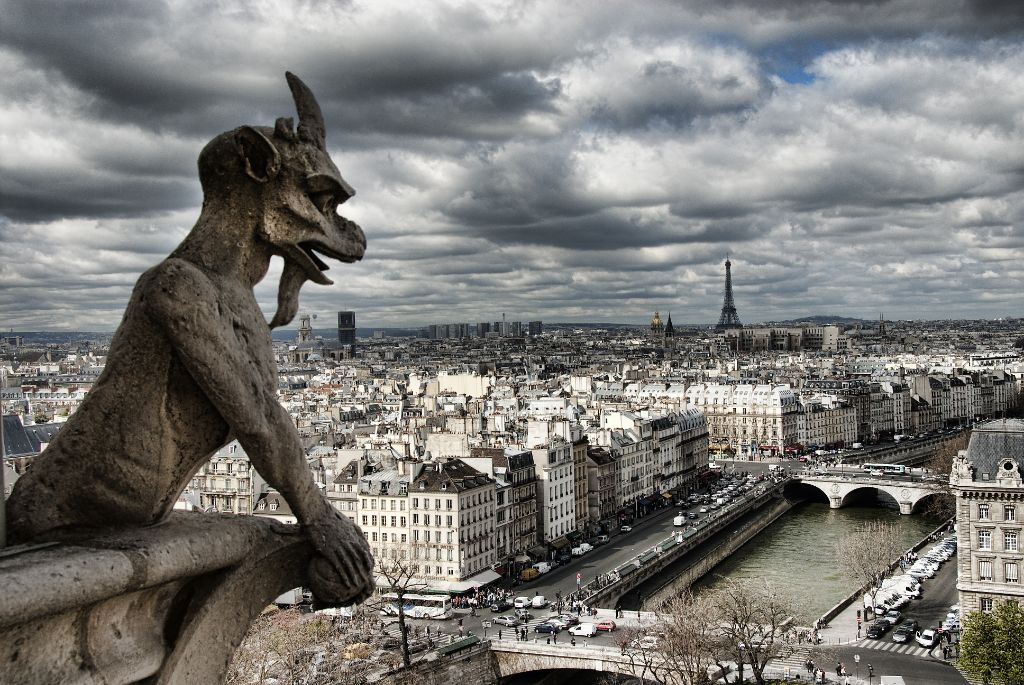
(568, 163)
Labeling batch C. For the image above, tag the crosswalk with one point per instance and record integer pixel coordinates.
(911, 648)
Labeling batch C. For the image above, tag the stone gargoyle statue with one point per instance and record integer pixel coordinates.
(191, 365)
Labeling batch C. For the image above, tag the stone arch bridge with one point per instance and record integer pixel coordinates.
(513, 658)
(907, 494)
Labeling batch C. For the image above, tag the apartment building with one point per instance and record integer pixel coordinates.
(748, 419)
(986, 480)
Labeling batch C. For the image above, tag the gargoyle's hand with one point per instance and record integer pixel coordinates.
(341, 573)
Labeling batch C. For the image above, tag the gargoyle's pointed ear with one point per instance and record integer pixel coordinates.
(311, 119)
(261, 158)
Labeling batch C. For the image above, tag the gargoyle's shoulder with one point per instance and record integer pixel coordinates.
(176, 283)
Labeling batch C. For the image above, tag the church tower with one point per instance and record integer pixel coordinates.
(657, 328)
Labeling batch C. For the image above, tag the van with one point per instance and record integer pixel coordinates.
(679, 520)
(538, 602)
(720, 501)
(774, 467)
(542, 567)
(528, 574)
(601, 539)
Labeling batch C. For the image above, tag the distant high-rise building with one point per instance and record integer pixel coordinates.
(729, 318)
(347, 328)
(482, 329)
(535, 327)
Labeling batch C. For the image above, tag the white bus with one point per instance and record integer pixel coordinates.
(886, 468)
(419, 606)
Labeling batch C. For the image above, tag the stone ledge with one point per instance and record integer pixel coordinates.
(170, 601)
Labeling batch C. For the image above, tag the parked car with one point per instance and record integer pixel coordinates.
(546, 628)
(509, 621)
(605, 625)
(584, 629)
(625, 529)
(644, 642)
(893, 616)
(601, 540)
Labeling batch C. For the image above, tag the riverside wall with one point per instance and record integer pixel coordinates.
(859, 592)
(678, 579)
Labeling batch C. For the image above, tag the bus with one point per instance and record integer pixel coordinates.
(418, 606)
(886, 468)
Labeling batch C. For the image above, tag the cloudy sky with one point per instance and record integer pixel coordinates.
(560, 160)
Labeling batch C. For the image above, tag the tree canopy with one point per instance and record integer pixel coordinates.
(992, 645)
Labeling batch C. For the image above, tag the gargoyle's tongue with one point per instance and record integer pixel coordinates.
(292, 278)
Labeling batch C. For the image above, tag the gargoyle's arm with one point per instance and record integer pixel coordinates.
(185, 303)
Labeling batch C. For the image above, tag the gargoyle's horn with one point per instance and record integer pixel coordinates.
(311, 119)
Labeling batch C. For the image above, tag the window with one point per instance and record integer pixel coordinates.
(403, 522)
(416, 519)
(373, 520)
(374, 537)
(1011, 572)
(984, 539)
(984, 570)
(449, 521)
(394, 521)
(1009, 514)
(415, 502)
(366, 519)
(1010, 541)
(983, 512)
(986, 604)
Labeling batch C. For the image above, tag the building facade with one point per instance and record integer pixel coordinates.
(986, 481)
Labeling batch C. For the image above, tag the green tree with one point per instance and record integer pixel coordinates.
(992, 645)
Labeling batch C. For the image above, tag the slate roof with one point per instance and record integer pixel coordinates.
(993, 441)
(21, 440)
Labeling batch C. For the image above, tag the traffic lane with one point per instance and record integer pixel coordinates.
(623, 548)
(915, 670)
(937, 595)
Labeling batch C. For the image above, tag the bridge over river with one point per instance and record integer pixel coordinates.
(907, 492)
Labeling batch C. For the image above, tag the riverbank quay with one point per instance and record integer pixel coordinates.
(840, 622)
(610, 587)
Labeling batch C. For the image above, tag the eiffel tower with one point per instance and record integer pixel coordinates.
(729, 318)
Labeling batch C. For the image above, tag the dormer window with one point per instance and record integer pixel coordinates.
(273, 505)
(262, 505)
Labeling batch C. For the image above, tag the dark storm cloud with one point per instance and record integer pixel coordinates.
(569, 159)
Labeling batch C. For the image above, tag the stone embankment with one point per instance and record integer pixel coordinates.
(685, 573)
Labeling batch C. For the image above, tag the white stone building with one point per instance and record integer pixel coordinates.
(748, 418)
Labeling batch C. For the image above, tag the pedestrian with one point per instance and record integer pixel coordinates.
(554, 638)
(572, 641)
(839, 668)
(499, 633)
(549, 639)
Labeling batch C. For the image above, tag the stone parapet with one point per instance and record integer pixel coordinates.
(168, 602)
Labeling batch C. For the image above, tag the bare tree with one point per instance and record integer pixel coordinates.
(754, 618)
(866, 554)
(641, 646)
(399, 577)
(691, 636)
(943, 504)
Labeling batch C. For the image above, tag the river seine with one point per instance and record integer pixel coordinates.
(798, 553)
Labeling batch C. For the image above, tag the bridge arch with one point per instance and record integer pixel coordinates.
(879, 493)
(514, 659)
(838, 489)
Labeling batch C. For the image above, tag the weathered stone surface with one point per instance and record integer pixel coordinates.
(170, 602)
(191, 365)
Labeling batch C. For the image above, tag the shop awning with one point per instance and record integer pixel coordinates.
(667, 495)
(483, 578)
(560, 543)
(523, 559)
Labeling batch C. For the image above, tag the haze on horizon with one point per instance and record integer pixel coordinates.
(562, 161)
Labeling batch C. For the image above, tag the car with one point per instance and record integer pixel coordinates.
(644, 642)
(878, 628)
(704, 510)
(500, 605)
(625, 529)
(578, 551)
(557, 622)
(605, 625)
(546, 628)
(691, 515)
(893, 616)
(927, 638)
(584, 629)
(905, 632)
(509, 621)
(521, 602)
(876, 472)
